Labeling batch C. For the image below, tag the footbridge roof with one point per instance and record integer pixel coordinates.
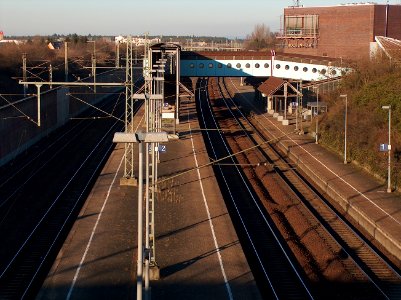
(259, 64)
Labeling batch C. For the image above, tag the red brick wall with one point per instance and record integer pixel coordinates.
(346, 31)
(394, 21)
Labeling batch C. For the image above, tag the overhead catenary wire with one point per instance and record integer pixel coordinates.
(91, 105)
(223, 158)
(24, 114)
(35, 76)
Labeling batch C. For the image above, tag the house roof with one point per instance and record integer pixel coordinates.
(55, 45)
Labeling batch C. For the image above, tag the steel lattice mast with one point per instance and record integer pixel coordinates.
(154, 99)
(128, 177)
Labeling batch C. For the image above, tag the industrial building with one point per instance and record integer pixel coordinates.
(345, 31)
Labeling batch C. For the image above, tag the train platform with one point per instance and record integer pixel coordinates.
(361, 195)
(197, 249)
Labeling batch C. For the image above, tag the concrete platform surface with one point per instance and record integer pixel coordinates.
(197, 249)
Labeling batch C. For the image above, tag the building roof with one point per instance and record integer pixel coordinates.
(316, 104)
(274, 86)
(347, 5)
(271, 85)
(256, 55)
(166, 46)
(390, 46)
(55, 45)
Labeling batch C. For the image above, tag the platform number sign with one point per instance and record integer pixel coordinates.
(384, 147)
(161, 148)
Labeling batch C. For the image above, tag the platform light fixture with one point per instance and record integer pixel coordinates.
(345, 96)
(388, 107)
(316, 89)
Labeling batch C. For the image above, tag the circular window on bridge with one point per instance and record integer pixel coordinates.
(219, 66)
(278, 66)
(192, 66)
(266, 65)
(334, 72)
(257, 66)
(238, 65)
(247, 66)
(201, 66)
(229, 65)
(296, 68)
(323, 71)
(305, 69)
(314, 70)
(287, 67)
(210, 65)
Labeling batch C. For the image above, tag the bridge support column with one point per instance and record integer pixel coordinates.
(269, 104)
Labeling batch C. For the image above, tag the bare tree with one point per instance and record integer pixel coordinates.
(260, 38)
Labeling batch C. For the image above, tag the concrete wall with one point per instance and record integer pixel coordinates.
(17, 133)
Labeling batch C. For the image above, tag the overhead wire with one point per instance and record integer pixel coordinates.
(25, 115)
(91, 105)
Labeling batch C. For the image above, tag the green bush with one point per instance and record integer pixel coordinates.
(368, 88)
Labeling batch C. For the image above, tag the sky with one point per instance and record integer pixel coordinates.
(223, 18)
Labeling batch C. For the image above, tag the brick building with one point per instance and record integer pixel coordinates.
(347, 31)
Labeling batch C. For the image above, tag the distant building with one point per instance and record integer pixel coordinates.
(346, 31)
(136, 41)
(55, 45)
(1, 35)
(17, 42)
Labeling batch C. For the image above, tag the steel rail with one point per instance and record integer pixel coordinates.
(299, 276)
(67, 216)
(340, 239)
(257, 206)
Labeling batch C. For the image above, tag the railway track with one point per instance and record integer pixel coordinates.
(365, 266)
(22, 170)
(43, 197)
(278, 276)
(380, 271)
(376, 265)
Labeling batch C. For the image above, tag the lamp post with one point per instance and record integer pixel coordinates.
(317, 114)
(388, 107)
(141, 137)
(345, 127)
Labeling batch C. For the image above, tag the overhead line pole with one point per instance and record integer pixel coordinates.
(51, 76)
(66, 60)
(118, 55)
(128, 178)
(147, 92)
(24, 78)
